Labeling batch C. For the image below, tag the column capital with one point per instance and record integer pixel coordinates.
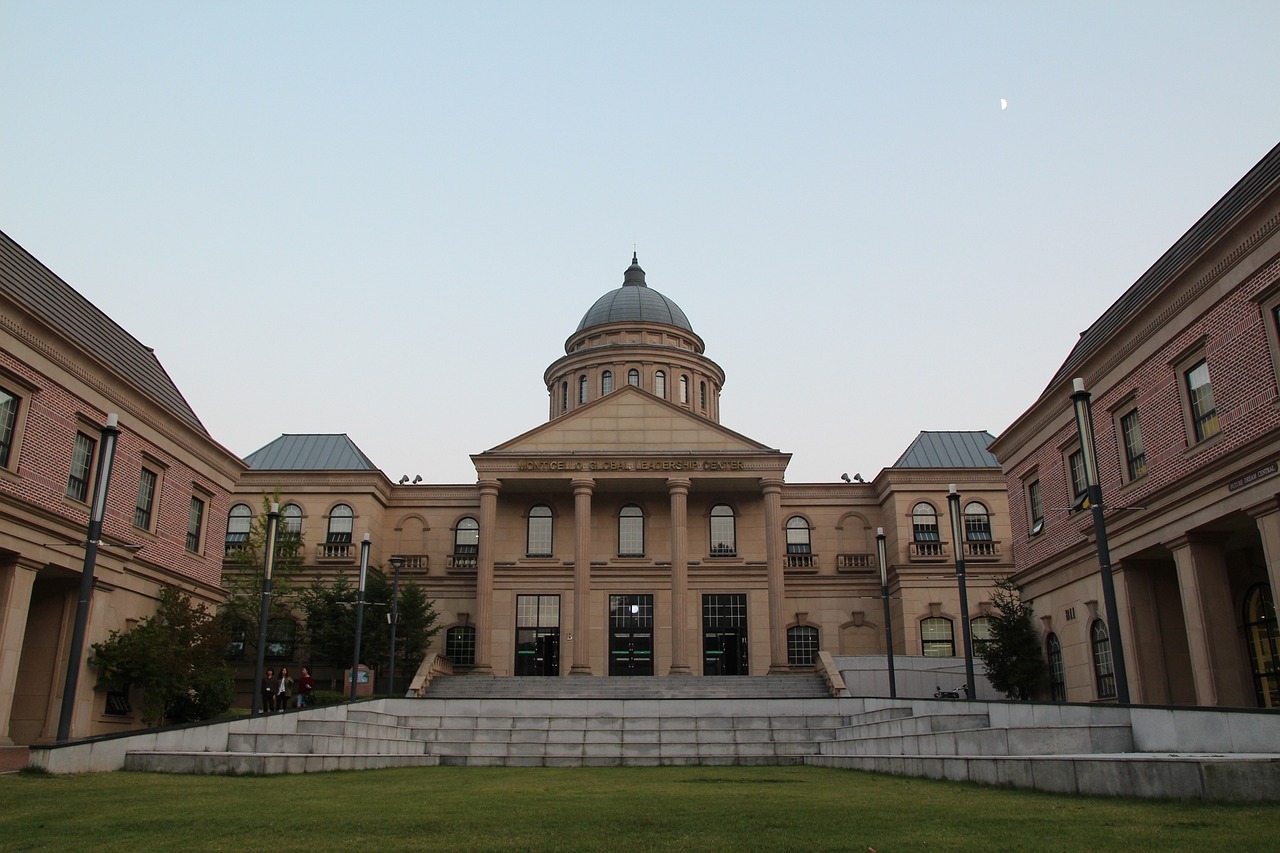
(678, 485)
(771, 484)
(584, 485)
(491, 487)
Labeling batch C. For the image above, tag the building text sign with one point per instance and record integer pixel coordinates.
(630, 465)
(1252, 477)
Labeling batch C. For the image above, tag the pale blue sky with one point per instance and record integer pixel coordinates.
(385, 218)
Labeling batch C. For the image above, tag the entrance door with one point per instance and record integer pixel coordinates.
(724, 635)
(537, 635)
(631, 635)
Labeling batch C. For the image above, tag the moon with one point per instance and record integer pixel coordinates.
(1004, 103)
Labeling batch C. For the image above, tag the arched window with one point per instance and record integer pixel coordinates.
(802, 645)
(1263, 637)
(684, 389)
(466, 536)
(924, 522)
(1103, 666)
(798, 536)
(539, 538)
(564, 396)
(239, 521)
(290, 521)
(702, 393)
(460, 645)
(631, 531)
(1057, 673)
(582, 389)
(977, 523)
(633, 377)
(937, 640)
(979, 629)
(724, 539)
(340, 521)
(660, 384)
(606, 383)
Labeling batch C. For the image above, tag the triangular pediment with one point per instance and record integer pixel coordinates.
(630, 420)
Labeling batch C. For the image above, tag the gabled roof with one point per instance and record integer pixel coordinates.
(35, 288)
(949, 450)
(310, 452)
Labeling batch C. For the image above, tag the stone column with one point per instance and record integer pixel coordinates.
(582, 490)
(772, 489)
(484, 576)
(16, 582)
(1217, 667)
(679, 492)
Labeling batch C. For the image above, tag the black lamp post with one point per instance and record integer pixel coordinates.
(884, 595)
(1081, 400)
(106, 458)
(397, 563)
(364, 573)
(957, 531)
(264, 615)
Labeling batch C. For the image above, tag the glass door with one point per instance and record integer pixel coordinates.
(724, 635)
(537, 635)
(631, 635)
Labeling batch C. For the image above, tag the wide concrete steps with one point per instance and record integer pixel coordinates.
(808, 686)
(264, 764)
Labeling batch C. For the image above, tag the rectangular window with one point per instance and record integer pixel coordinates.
(8, 425)
(1036, 507)
(1204, 416)
(195, 522)
(1079, 481)
(146, 500)
(81, 462)
(1135, 458)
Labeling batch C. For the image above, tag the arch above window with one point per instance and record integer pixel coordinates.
(924, 522)
(466, 536)
(239, 522)
(977, 523)
(633, 377)
(291, 520)
(341, 520)
(798, 540)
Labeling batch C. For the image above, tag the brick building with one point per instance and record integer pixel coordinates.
(64, 367)
(1183, 375)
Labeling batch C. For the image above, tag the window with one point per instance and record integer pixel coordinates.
(466, 536)
(1204, 416)
(460, 645)
(239, 521)
(660, 384)
(1035, 507)
(8, 425)
(341, 519)
(724, 541)
(146, 499)
(937, 640)
(81, 460)
(977, 523)
(979, 629)
(1263, 637)
(631, 531)
(1135, 459)
(798, 536)
(633, 377)
(237, 638)
(291, 522)
(684, 389)
(538, 540)
(1103, 666)
(582, 390)
(802, 645)
(564, 396)
(1057, 673)
(281, 636)
(924, 522)
(1079, 481)
(195, 524)
(606, 383)
(702, 393)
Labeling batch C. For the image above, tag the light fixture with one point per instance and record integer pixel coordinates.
(404, 479)
(845, 477)
(417, 479)
(858, 477)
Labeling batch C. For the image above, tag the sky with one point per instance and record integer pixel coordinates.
(386, 218)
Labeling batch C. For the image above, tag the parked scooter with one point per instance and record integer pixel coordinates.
(962, 693)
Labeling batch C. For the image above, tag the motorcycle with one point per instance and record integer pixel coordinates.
(939, 693)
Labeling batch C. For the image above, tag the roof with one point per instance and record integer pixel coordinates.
(634, 302)
(310, 452)
(1259, 181)
(949, 450)
(35, 288)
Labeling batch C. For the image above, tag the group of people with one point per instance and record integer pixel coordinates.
(277, 690)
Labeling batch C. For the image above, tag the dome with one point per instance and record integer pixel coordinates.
(634, 302)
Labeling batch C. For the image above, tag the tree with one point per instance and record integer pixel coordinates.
(243, 579)
(1011, 653)
(175, 657)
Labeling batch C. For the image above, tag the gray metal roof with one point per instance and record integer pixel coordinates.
(634, 302)
(38, 290)
(949, 450)
(310, 452)
(1259, 181)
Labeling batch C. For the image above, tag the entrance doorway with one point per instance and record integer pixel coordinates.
(631, 635)
(537, 635)
(1264, 644)
(724, 635)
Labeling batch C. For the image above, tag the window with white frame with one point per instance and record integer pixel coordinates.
(538, 539)
(466, 536)
(802, 645)
(1035, 507)
(81, 464)
(1135, 458)
(660, 384)
(937, 638)
(195, 525)
(341, 521)
(977, 523)
(633, 377)
(239, 523)
(606, 383)
(724, 538)
(582, 389)
(798, 540)
(1103, 665)
(631, 531)
(924, 523)
(1204, 414)
(146, 500)
(9, 405)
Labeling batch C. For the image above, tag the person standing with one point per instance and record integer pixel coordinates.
(306, 686)
(284, 684)
(268, 691)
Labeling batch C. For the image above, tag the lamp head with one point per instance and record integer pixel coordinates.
(845, 477)
(404, 479)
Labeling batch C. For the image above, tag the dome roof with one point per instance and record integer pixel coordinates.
(634, 302)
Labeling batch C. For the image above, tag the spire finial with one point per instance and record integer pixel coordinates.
(634, 275)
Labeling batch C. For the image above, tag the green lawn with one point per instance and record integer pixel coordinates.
(681, 809)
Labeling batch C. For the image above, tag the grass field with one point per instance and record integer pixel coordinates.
(658, 809)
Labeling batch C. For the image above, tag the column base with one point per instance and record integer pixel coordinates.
(580, 669)
(779, 669)
(481, 669)
(682, 669)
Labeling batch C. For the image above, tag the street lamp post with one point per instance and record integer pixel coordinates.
(264, 615)
(957, 531)
(1081, 400)
(106, 458)
(364, 573)
(884, 595)
(397, 563)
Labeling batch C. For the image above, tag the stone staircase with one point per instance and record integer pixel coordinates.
(636, 687)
